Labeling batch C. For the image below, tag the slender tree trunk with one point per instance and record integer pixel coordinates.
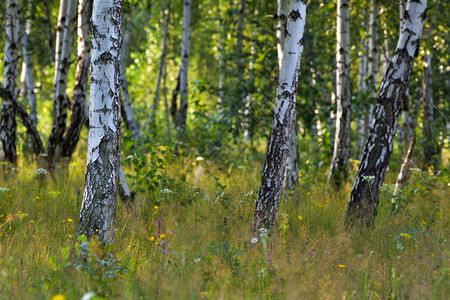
(268, 201)
(8, 126)
(62, 63)
(221, 57)
(293, 160)
(341, 153)
(162, 63)
(173, 103)
(126, 107)
(27, 69)
(282, 11)
(166, 105)
(185, 49)
(363, 204)
(404, 171)
(80, 107)
(404, 131)
(127, 196)
(430, 146)
(98, 210)
(62, 18)
(363, 122)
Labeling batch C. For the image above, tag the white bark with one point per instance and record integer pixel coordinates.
(98, 210)
(363, 203)
(8, 126)
(341, 152)
(282, 10)
(27, 70)
(268, 201)
(80, 107)
(185, 50)
(62, 63)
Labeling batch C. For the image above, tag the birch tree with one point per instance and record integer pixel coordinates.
(293, 160)
(98, 210)
(8, 125)
(62, 63)
(80, 107)
(429, 147)
(185, 50)
(339, 163)
(362, 86)
(162, 64)
(363, 203)
(27, 84)
(126, 108)
(268, 200)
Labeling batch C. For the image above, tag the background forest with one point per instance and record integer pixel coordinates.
(188, 196)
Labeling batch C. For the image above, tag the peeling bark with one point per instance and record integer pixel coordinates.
(80, 107)
(185, 49)
(341, 152)
(363, 203)
(282, 11)
(62, 63)
(98, 210)
(267, 204)
(8, 125)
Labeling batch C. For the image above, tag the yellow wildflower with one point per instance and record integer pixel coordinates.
(69, 220)
(31, 221)
(341, 266)
(162, 236)
(405, 235)
(59, 297)
(152, 239)
(300, 218)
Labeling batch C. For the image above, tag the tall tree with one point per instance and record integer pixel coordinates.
(162, 63)
(363, 122)
(341, 153)
(293, 160)
(62, 63)
(8, 125)
(363, 203)
(126, 108)
(27, 83)
(185, 50)
(80, 107)
(98, 210)
(430, 150)
(267, 204)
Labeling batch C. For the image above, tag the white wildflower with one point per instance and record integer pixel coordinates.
(4, 189)
(166, 191)
(41, 171)
(197, 260)
(254, 240)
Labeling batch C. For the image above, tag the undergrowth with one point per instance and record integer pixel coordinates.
(191, 238)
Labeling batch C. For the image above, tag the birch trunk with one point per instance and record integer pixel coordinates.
(429, 148)
(98, 210)
(80, 107)
(267, 204)
(27, 69)
(404, 131)
(282, 11)
(404, 172)
(363, 203)
(221, 58)
(185, 49)
(362, 87)
(8, 125)
(126, 107)
(162, 63)
(339, 163)
(62, 63)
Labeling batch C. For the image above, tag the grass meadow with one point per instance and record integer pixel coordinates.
(191, 239)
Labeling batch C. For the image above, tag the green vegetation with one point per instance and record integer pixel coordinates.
(191, 241)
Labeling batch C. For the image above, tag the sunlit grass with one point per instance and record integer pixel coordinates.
(194, 241)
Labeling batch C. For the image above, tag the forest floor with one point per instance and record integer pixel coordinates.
(191, 237)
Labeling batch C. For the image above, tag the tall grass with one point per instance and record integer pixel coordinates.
(194, 241)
